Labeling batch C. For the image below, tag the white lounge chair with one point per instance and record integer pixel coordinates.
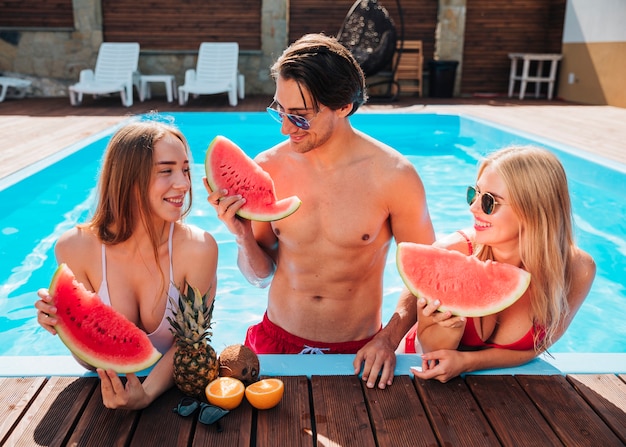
(19, 85)
(215, 72)
(115, 66)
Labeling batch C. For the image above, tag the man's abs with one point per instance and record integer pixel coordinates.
(341, 313)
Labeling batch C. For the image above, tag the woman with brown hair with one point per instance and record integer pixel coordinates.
(136, 252)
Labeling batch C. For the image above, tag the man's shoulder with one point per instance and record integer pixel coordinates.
(382, 150)
(272, 153)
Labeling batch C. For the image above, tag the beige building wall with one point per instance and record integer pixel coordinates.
(594, 73)
(593, 69)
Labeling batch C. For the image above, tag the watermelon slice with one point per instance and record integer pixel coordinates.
(228, 167)
(96, 333)
(464, 285)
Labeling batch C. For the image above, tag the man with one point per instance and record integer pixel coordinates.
(325, 262)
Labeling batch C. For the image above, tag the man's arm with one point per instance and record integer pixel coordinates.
(256, 265)
(410, 221)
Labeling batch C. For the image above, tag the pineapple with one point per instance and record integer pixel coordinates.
(195, 361)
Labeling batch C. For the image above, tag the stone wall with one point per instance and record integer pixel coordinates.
(52, 60)
(450, 35)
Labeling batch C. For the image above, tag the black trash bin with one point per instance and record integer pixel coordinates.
(441, 78)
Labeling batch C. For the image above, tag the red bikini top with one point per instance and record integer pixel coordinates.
(471, 339)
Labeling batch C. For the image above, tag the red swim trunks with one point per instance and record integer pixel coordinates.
(409, 340)
(267, 338)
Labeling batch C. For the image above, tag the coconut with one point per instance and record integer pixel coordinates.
(240, 362)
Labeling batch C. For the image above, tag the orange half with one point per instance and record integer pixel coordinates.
(225, 392)
(265, 393)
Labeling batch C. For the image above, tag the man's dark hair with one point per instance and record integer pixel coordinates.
(326, 69)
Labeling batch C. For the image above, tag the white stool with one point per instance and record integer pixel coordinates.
(168, 80)
(525, 77)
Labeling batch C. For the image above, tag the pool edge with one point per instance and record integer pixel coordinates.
(337, 364)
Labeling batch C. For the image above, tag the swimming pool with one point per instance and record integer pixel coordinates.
(444, 148)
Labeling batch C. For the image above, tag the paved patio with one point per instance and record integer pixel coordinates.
(34, 128)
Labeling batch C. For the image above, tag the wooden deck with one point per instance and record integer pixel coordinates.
(480, 410)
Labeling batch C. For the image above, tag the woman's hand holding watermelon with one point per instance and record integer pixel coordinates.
(46, 311)
(429, 316)
(46, 317)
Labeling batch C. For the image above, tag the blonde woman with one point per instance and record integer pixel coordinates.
(522, 216)
(135, 251)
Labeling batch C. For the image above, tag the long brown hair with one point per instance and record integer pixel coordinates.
(125, 180)
(539, 196)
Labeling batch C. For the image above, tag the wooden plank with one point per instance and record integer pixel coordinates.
(494, 29)
(183, 25)
(398, 416)
(314, 16)
(15, 395)
(234, 429)
(511, 413)
(455, 416)
(340, 412)
(606, 393)
(571, 418)
(99, 425)
(47, 136)
(53, 412)
(289, 423)
(159, 425)
(409, 69)
(37, 13)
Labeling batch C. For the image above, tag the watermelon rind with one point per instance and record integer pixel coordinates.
(464, 285)
(227, 166)
(102, 329)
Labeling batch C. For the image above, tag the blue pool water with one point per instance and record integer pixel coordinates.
(444, 148)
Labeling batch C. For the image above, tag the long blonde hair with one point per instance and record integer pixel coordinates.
(539, 196)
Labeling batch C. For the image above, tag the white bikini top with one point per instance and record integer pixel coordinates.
(162, 338)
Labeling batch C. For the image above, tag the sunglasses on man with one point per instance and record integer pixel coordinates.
(297, 120)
